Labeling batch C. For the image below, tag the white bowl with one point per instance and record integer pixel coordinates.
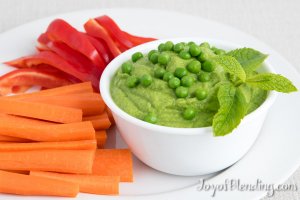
(183, 151)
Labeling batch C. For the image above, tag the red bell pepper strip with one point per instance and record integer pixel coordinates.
(114, 31)
(52, 59)
(24, 78)
(75, 58)
(61, 31)
(94, 29)
(102, 48)
(136, 40)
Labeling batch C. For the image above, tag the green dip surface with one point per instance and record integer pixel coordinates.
(158, 99)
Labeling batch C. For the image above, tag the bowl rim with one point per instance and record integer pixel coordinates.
(112, 67)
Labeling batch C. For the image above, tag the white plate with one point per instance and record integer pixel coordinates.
(273, 158)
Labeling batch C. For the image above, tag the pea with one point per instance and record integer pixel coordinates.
(191, 43)
(174, 82)
(132, 81)
(205, 44)
(154, 58)
(189, 113)
(167, 76)
(136, 56)
(150, 118)
(195, 50)
(151, 52)
(127, 67)
(201, 94)
(182, 92)
(159, 72)
(163, 59)
(146, 80)
(161, 47)
(187, 81)
(194, 66)
(185, 55)
(202, 57)
(208, 66)
(204, 77)
(178, 47)
(168, 46)
(180, 72)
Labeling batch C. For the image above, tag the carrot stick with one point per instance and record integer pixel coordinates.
(101, 137)
(13, 183)
(40, 111)
(49, 133)
(4, 138)
(106, 185)
(69, 145)
(90, 103)
(85, 87)
(66, 161)
(99, 122)
(114, 162)
(23, 120)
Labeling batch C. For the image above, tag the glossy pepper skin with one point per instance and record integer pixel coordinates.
(70, 54)
(20, 80)
(61, 31)
(54, 60)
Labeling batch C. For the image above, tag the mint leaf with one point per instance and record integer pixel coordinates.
(233, 107)
(231, 65)
(269, 81)
(250, 59)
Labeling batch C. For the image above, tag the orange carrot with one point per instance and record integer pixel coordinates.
(69, 145)
(101, 137)
(23, 120)
(4, 138)
(106, 185)
(69, 89)
(99, 122)
(114, 162)
(66, 161)
(89, 103)
(49, 133)
(40, 111)
(13, 183)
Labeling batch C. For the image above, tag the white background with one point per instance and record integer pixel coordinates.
(275, 22)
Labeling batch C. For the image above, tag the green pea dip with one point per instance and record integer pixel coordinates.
(161, 102)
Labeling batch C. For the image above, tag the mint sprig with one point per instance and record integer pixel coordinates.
(232, 109)
(231, 65)
(250, 59)
(269, 81)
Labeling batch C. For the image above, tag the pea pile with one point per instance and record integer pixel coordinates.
(198, 69)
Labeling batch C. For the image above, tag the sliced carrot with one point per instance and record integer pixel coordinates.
(114, 162)
(23, 120)
(4, 138)
(49, 133)
(66, 161)
(89, 103)
(101, 138)
(106, 185)
(99, 122)
(69, 145)
(40, 111)
(14, 183)
(85, 87)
